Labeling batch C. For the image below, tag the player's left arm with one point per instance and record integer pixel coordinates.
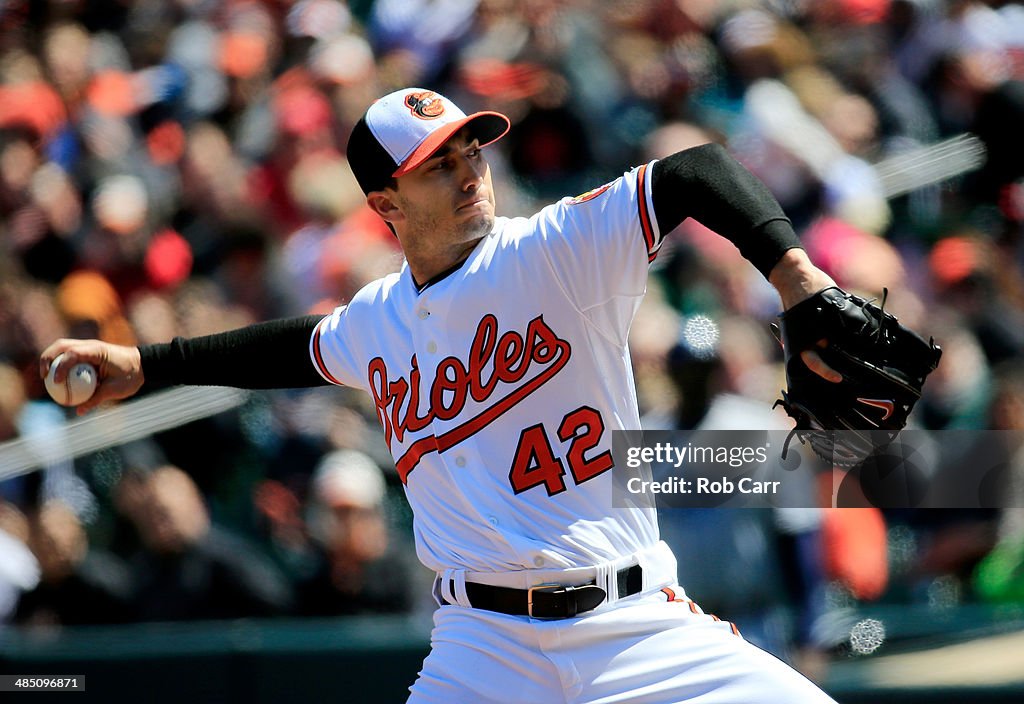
(709, 185)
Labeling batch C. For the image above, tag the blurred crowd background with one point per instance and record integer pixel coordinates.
(177, 168)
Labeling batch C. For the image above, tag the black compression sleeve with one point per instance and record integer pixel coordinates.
(705, 183)
(272, 355)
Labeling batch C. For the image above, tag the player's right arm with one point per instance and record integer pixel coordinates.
(271, 355)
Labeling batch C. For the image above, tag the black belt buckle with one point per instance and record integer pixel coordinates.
(546, 588)
(564, 601)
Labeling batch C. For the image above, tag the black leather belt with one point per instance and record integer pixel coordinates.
(550, 600)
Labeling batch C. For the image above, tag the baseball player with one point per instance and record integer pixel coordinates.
(497, 362)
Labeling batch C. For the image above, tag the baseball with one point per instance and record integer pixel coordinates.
(77, 388)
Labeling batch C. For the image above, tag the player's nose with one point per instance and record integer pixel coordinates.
(471, 173)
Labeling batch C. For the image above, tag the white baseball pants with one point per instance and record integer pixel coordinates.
(653, 648)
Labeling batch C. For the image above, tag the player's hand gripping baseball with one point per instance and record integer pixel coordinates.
(796, 278)
(119, 368)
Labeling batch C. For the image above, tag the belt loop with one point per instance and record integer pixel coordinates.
(446, 586)
(461, 597)
(435, 590)
(604, 577)
(453, 587)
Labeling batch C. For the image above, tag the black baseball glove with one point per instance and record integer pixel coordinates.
(883, 365)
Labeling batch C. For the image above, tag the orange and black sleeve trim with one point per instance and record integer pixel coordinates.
(271, 355)
(707, 184)
(318, 356)
(651, 238)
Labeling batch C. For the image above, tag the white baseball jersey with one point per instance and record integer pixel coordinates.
(499, 386)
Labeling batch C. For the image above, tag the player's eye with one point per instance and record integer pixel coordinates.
(473, 153)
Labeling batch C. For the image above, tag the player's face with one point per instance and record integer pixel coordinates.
(449, 197)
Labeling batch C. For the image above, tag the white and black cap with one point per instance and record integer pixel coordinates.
(403, 129)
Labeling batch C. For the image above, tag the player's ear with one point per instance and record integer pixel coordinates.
(382, 203)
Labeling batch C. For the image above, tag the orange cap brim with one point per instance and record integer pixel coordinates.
(491, 127)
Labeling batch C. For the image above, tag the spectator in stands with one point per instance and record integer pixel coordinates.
(78, 584)
(192, 569)
(19, 569)
(361, 569)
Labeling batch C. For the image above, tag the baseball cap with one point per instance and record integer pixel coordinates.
(403, 129)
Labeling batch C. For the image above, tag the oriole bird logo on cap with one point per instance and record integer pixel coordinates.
(425, 105)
